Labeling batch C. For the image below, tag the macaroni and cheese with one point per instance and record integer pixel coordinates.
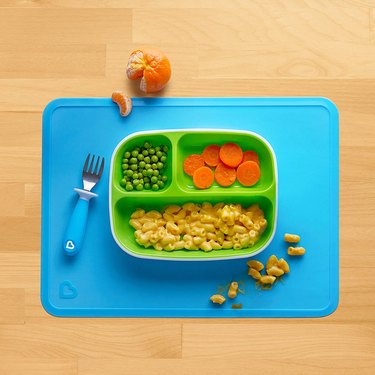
(199, 227)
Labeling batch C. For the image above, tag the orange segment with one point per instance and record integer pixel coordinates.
(123, 101)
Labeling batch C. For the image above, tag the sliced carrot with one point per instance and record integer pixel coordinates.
(250, 156)
(224, 175)
(211, 155)
(231, 154)
(248, 173)
(192, 163)
(203, 178)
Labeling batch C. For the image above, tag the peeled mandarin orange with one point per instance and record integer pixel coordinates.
(152, 66)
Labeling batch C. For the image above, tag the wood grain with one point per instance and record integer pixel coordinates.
(76, 48)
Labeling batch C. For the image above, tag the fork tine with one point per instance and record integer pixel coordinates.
(101, 168)
(96, 166)
(91, 164)
(86, 163)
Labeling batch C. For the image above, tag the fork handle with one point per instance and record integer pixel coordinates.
(75, 232)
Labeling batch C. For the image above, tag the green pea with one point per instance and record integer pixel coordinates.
(142, 164)
(139, 187)
(165, 148)
(151, 151)
(127, 154)
(157, 148)
(159, 154)
(138, 149)
(164, 178)
(154, 159)
(147, 159)
(149, 171)
(125, 166)
(129, 186)
(129, 173)
(144, 152)
(160, 165)
(141, 181)
(133, 161)
(147, 186)
(154, 179)
(123, 182)
(154, 166)
(125, 161)
(148, 166)
(146, 145)
(146, 179)
(134, 153)
(160, 184)
(134, 167)
(163, 159)
(140, 157)
(135, 182)
(155, 187)
(155, 172)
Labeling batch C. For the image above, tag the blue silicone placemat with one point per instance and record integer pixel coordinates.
(104, 281)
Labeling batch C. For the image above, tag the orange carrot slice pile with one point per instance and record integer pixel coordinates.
(231, 154)
(224, 175)
(248, 173)
(250, 156)
(192, 163)
(229, 163)
(211, 155)
(203, 178)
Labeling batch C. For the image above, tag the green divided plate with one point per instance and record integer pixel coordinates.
(179, 189)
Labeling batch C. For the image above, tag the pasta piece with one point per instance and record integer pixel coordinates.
(149, 226)
(254, 273)
(215, 245)
(296, 251)
(282, 263)
(206, 246)
(136, 224)
(137, 214)
(266, 279)
(217, 298)
(172, 228)
(173, 209)
(275, 271)
(293, 238)
(272, 261)
(255, 264)
(154, 214)
(233, 289)
(227, 244)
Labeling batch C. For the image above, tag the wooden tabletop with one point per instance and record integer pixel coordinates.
(76, 48)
